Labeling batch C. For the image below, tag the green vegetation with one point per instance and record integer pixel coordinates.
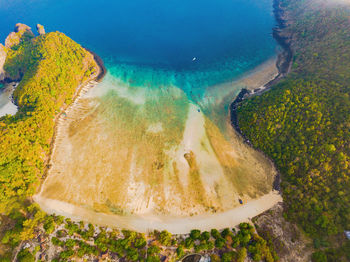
(71, 241)
(303, 124)
(25, 256)
(52, 66)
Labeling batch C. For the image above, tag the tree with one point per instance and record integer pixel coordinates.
(235, 241)
(215, 233)
(140, 242)
(25, 256)
(180, 252)
(49, 225)
(319, 256)
(132, 254)
(226, 232)
(241, 254)
(202, 246)
(205, 236)
(153, 250)
(66, 254)
(228, 256)
(195, 234)
(165, 238)
(220, 242)
(215, 258)
(152, 259)
(189, 243)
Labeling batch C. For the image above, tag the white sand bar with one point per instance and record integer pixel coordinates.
(175, 225)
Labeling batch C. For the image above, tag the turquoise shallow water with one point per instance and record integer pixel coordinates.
(154, 42)
(154, 137)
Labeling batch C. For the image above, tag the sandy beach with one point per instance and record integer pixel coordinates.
(99, 164)
(174, 225)
(6, 105)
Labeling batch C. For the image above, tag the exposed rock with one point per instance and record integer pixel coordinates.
(40, 28)
(290, 243)
(21, 28)
(15, 37)
(2, 62)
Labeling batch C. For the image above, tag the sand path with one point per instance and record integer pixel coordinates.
(174, 225)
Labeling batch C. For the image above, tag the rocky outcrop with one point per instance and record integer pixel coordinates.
(40, 29)
(2, 62)
(21, 30)
(289, 242)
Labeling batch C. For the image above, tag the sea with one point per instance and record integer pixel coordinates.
(192, 44)
(154, 135)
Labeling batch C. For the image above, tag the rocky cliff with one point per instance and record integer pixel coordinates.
(21, 31)
(40, 29)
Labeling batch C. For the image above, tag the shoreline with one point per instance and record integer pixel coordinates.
(175, 225)
(100, 64)
(94, 80)
(283, 64)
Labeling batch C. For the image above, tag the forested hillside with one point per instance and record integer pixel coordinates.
(51, 66)
(303, 124)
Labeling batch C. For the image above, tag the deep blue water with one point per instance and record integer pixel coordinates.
(155, 41)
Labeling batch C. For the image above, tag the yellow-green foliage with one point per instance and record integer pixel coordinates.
(304, 122)
(15, 38)
(51, 66)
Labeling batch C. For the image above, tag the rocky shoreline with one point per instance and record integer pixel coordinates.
(284, 65)
(99, 62)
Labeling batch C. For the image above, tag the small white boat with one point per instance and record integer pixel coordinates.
(194, 58)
